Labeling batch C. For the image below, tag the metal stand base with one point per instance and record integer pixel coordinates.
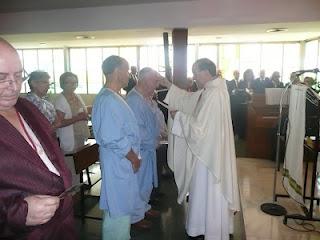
(299, 217)
(273, 209)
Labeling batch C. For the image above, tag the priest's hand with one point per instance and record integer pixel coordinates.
(41, 208)
(173, 113)
(164, 82)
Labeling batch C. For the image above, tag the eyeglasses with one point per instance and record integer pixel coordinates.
(196, 71)
(17, 78)
(43, 82)
(71, 83)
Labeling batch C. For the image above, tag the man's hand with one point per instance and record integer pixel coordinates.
(135, 165)
(134, 159)
(41, 208)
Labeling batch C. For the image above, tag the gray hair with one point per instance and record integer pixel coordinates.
(144, 71)
(36, 76)
(64, 77)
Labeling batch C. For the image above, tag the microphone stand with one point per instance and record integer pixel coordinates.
(274, 208)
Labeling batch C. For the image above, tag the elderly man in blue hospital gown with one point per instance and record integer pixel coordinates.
(149, 122)
(117, 133)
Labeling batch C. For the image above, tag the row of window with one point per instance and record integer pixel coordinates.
(86, 62)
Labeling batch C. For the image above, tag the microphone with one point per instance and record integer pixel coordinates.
(315, 70)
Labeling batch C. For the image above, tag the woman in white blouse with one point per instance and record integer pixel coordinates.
(73, 131)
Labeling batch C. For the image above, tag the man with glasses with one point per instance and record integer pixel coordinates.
(33, 172)
(209, 171)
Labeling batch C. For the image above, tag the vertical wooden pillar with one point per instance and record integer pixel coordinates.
(180, 44)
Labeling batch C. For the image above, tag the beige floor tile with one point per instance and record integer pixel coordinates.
(256, 187)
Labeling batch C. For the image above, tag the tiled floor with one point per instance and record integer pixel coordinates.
(256, 187)
(169, 226)
(256, 184)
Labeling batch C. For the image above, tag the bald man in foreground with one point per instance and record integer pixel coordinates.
(32, 169)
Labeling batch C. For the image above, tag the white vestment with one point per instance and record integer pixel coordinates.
(208, 212)
(293, 165)
(209, 172)
(177, 145)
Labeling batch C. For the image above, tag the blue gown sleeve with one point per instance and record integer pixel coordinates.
(108, 126)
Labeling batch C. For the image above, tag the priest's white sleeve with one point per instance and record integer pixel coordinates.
(176, 127)
(181, 100)
(178, 99)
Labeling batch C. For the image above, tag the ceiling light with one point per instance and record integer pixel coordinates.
(273, 30)
(84, 37)
(43, 44)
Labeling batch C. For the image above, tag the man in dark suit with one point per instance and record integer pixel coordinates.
(258, 85)
(133, 79)
(233, 84)
(239, 100)
(262, 76)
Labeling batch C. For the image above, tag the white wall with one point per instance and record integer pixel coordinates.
(164, 15)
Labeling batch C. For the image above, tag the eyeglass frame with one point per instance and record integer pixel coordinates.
(18, 77)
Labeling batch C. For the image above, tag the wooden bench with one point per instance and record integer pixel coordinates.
(83, 158)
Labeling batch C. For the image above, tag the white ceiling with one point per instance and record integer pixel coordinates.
(142, 22)
(218, 34)
(7, 6)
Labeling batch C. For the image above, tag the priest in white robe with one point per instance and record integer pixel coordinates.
(209, 172)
